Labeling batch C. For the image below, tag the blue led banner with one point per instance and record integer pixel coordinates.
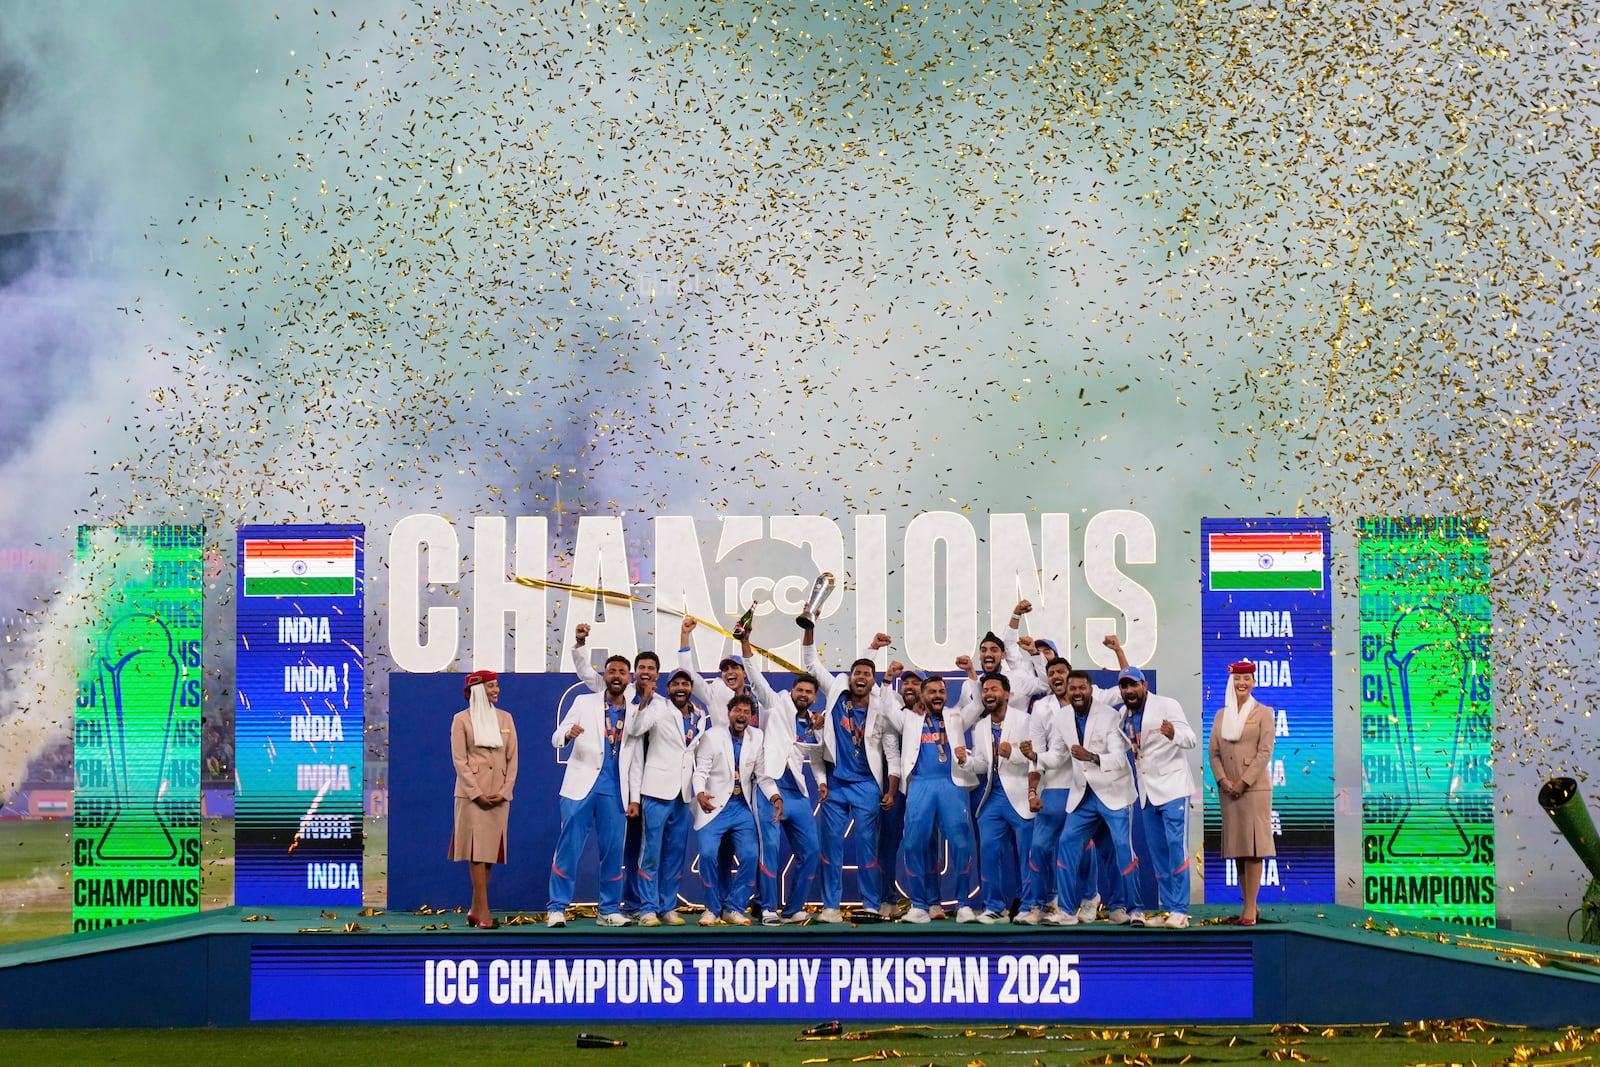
(136, 825)
(300, 714)
(917, 979)
(1427, 719)
(1265, 597)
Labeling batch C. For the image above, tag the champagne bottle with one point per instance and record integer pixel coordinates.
(742, 627)
(597, 1041)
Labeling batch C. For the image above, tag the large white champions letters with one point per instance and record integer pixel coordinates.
(716, 568)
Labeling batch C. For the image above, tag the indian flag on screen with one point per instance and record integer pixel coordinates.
(1267, 560)
(324, 566)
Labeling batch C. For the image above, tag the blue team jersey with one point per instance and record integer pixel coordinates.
(932, 755)
(610, 781)
(850, 742)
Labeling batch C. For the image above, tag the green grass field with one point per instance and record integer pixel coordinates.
(649, 1046)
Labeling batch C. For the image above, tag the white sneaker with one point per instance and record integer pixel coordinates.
(966, 915)
(890, 912)
(1089, 910)
(1136, 918)
(615, 918)
(1031, 917)
(917, 915)
(709, 918)
(937, 912)
(830, 915)
(555, 919)
(1177, 921)
(735, 918)
(1119, 916)
(1062, 918)
(799, 918)
(994, 918)
(649, 919)
(672, 918)
(771, 918)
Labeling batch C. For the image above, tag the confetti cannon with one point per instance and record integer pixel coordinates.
(1560, 800)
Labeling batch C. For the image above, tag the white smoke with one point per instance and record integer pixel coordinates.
(41, 690)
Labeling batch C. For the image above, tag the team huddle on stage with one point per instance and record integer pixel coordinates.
(1029, 784)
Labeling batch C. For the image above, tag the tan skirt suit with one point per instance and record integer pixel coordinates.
(1246, 819)
(480, 833)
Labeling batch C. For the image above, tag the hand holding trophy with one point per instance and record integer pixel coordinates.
(819, 594)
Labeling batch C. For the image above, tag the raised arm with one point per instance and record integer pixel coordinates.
(970, 708)
(811, 660)
(702, 688)
(891, 723)
(766, 696)
(580, 661)
(1025, 679)
(1114, 643)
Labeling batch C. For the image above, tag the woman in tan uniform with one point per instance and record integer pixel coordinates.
(1241, 762)
(483, 745)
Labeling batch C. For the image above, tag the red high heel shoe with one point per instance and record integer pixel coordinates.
(471, 921)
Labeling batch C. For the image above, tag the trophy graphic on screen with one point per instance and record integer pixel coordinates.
(1426, 671)
(137, 678)
(819, 595)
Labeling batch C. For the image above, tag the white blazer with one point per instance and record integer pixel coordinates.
(714, 773)
(1111, 778)
(1163, 763)
(588, 750)
(713, 692)
(668, 761)
(654, 780)
(1055, 731)
(781, 744)
(872, 729)
(1013, 769)
(903, 754)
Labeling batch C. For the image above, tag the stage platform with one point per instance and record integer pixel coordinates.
(1307, 964)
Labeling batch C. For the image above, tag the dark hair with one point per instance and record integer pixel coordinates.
(647, 655)
(811, 679)
(1059, 660)
(996, 676)
(930, 679)
(619, 659)
(742, 698)
(1081, 674)
(873, 667)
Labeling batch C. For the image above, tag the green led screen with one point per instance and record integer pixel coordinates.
(1427, 719)
(136, 830)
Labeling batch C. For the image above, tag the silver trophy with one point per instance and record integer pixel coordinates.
(819, 594)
